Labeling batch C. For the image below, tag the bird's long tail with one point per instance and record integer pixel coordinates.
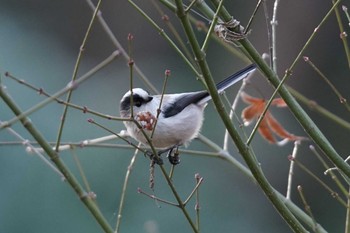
(229, 81)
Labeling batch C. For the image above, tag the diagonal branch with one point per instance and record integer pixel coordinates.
(84, 197)
(245, 151)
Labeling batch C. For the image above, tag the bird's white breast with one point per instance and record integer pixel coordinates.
(175, 130)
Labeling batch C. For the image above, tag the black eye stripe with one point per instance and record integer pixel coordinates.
(137, 101)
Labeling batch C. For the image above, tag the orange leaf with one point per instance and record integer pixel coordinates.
(279, 102)
(254, 110)
(269, 125)
(277, 128)
(249, 99)
(265, 131)
(250, 113)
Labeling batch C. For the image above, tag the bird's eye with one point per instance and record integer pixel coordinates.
(137, 103)
(137, 100)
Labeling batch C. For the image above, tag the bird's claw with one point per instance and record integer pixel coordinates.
(174, 158)
(156, 159)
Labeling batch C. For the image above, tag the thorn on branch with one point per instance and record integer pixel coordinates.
(130, 37)
(165, 18)
(40, 91)
(343, 35)
(167, 73)
(85, 109)
(291, 158)
(288, 72)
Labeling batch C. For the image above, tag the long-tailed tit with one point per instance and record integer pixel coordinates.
(180, 117)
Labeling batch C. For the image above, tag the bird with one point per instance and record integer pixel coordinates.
(170, 120)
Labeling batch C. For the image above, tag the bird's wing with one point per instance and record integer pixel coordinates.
(181, 102)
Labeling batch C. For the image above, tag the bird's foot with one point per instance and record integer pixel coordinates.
(156, 159)
(174, 156)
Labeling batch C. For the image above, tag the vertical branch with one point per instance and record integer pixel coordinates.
(120, 48)
(167, 74)
(274, 24)
(131, 74)
(291, 169)
(342, 100)
(197, 207)
(81, 171)
(307, 208)
(233, 108)
(166, 37)
(343, 34)
(308, 125)
(211, 28)
(74, 76)
(244, 150)
(269, 39)
(125, 185)
(347, 219)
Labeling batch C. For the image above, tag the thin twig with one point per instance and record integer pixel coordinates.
(342, 100)
(329, 171)
(166, 37)
(73, 182)
(188, 8)
(268, 32)
(307, 208)
(92, 121)
(75, 72)
(120, 48)
(157, 198)
(131, 76)
(314, 106)
(199, 182)
(345, 9)
(246, 30)
(291, 169)
(125, 185)
(347, 219)
(167, 75)
(309, 126)
(174, 31)
(82, 173)
(323, 184)
(41, 91)
(211, 28)
(274, 24)
(31, 149)
(234, 106)
(244, 150)
(343, 34)
(197, 205)
(61, 92)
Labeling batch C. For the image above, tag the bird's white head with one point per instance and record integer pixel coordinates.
(137, 97)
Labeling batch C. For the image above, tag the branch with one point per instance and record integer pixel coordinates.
(245, 151)
(84, 197)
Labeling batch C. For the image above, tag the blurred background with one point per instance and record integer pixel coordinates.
(39, 43)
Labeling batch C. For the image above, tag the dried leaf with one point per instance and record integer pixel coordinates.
(269, 125)
(266, 132)
(279, 102)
